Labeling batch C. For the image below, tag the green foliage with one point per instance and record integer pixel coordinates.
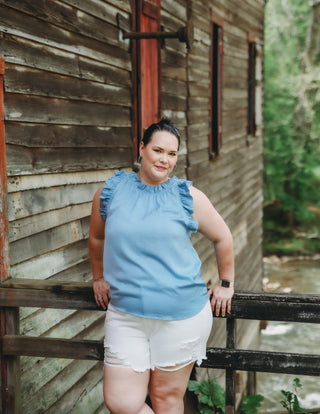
(280, 239)
(211, 396)
(290, 401)
(292, 111)
(250, 404)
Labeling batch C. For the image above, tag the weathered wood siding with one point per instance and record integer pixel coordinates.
(68, 125)
(233, 180)
(174, 75)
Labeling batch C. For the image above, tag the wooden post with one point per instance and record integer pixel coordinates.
(9, 318)
(230, 373)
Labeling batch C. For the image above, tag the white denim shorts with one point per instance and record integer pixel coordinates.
(142, 343)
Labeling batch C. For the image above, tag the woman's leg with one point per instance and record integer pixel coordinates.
(167, 389)
(125, 390)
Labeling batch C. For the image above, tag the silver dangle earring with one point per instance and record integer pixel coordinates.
(137, 164)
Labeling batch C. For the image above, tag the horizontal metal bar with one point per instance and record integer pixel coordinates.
(150, 35)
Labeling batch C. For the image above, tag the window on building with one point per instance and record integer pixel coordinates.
(216, 84)
(252, 126)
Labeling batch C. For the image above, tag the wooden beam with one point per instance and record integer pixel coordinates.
(15, 345)
(10, 365)
(218, 358)
(48, 285)
(230, 371)
(262, 361)
(276, 307)
(59, 299)
(245, 305)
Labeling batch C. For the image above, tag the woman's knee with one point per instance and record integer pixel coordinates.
(120, 404)
(167, 389)
(166, 395)
(124, 390)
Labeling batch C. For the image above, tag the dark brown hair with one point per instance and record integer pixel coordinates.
(163, 125)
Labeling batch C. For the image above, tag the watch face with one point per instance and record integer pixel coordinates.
(225, 283)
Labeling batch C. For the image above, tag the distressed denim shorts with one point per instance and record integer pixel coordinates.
(142, 344)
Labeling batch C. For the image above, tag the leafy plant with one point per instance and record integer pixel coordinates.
(250, 404)
(291, 401)
(211, 396)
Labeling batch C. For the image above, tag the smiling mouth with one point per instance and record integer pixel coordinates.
(159, 167)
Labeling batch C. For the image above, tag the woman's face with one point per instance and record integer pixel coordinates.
(159, 157)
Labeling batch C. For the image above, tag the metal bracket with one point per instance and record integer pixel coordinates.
(184, 34)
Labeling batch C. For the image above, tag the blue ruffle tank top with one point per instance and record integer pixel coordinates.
(149, 261)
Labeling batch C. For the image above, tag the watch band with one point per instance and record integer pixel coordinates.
(226, 283)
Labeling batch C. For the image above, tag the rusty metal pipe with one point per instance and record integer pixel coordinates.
(184, 34)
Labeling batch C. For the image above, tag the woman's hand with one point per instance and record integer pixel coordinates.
(101, 291)
(220, 299)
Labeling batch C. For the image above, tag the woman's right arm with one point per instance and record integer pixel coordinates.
(96, 245)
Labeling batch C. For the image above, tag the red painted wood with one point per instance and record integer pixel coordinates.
(135, 47)
(150, 64)
(146, 69)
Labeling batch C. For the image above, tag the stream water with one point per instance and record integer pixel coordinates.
(297, 277)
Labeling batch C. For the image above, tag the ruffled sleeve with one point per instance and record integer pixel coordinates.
(108, 190)
(187, 204)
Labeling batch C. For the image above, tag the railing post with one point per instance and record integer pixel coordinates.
(10, 365)
(230, 373)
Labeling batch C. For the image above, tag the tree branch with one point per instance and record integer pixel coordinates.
(293, 24)
(312, 50)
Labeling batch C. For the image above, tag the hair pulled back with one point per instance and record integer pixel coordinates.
(163, 125)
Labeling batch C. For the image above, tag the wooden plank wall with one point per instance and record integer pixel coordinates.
(68, 126)
(174, 75)
(233, 180)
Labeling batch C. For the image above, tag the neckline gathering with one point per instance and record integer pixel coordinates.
(150, 187)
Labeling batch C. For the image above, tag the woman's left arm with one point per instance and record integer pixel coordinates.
(213, 227)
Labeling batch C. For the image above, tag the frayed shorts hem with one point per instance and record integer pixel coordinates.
(167, 368)
(170, 366)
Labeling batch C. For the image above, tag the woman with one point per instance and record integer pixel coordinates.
(147, 272)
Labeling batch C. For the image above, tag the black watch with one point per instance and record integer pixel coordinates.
(226, 283)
